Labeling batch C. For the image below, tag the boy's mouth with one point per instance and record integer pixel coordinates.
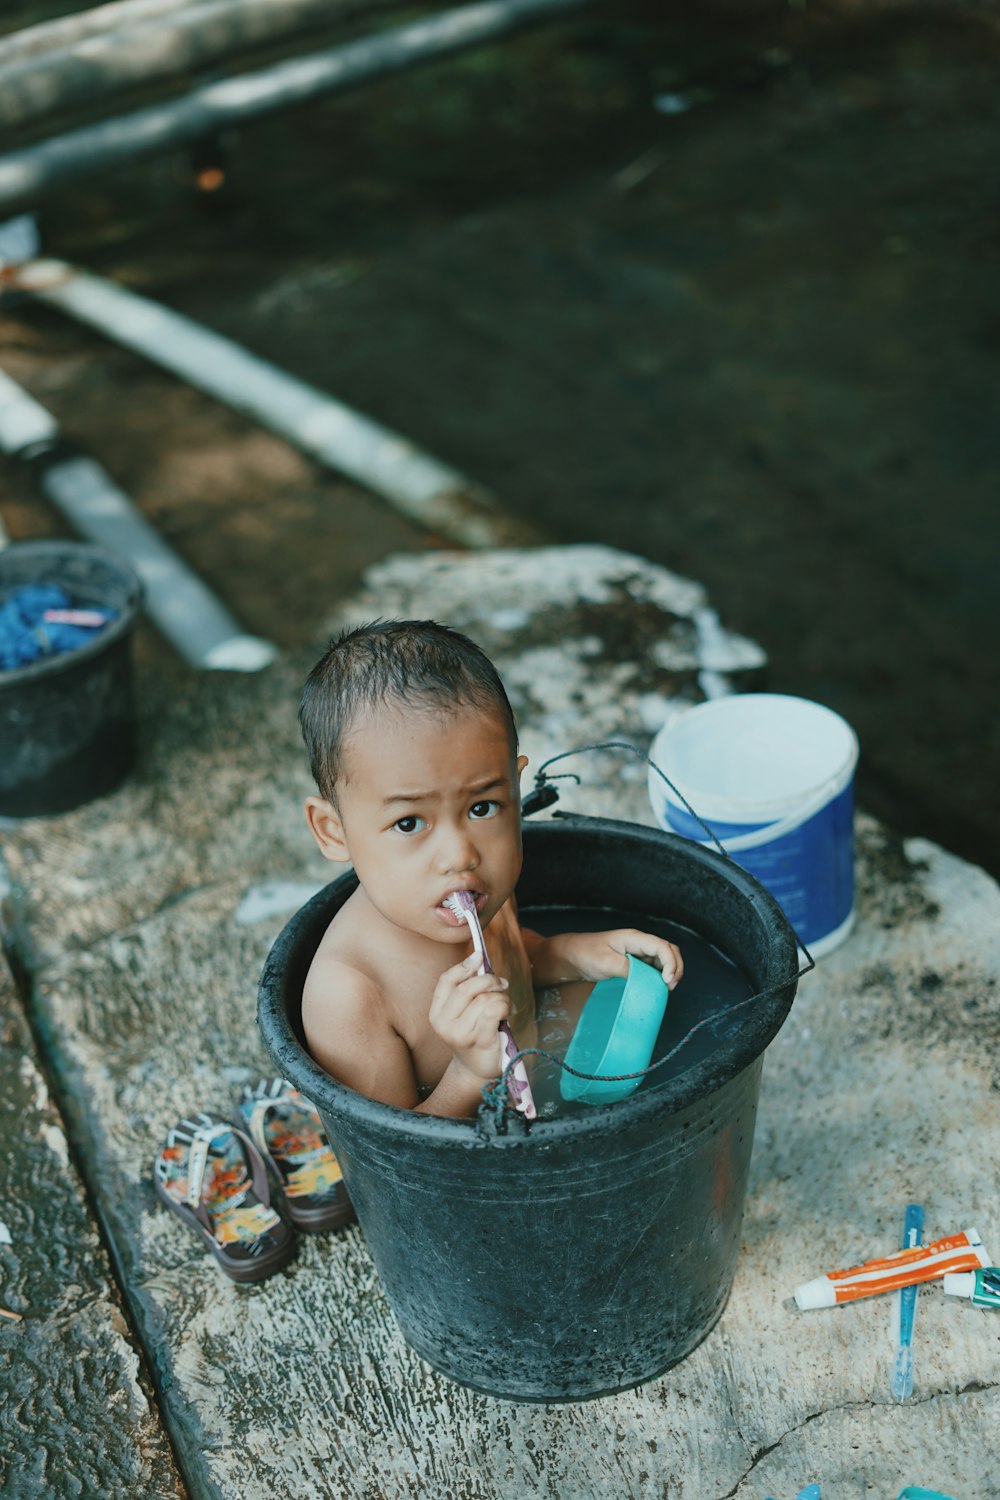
(452, 918)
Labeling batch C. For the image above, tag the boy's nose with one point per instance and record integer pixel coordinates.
(457, 853)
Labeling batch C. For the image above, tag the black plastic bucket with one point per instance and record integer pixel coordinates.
(584, 1254)
(67, 723)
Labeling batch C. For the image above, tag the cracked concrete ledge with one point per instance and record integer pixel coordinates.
(76, 1416)
(897, 1430)
(134, 920)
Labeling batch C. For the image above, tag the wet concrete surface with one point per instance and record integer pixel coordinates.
(79, 1417)
(139, 925)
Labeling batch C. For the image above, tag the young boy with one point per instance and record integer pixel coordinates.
(413, 746)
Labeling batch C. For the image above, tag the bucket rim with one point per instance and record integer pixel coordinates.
(757, 814)
(107, 636)
(704, 1077)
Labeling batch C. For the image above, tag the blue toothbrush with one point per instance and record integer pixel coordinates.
(902, 1373)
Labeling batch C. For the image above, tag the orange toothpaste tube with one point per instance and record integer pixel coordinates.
(959, 1252)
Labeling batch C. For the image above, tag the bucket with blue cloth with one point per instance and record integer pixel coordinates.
(40, 619)
(67, 720)
(772, 776)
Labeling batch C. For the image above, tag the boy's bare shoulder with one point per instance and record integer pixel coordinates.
(338, 986)
(349, 1030)
(343, 1016)
(341, 961)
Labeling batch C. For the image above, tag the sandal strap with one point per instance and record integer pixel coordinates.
(198, 1155)
(282, 1093)
(257, 1121)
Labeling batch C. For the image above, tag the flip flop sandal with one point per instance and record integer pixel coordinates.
(288, 1132)
(211, 1175)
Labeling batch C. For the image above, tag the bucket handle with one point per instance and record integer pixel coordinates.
(495, 1106)
(543, 784)
(496, 1097)
(544, 793)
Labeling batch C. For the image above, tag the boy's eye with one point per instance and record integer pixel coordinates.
(484, 809)
(410, 824)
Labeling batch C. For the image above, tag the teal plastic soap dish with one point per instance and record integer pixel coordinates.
(616, 1034)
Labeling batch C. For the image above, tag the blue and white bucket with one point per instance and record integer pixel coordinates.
(773, 777)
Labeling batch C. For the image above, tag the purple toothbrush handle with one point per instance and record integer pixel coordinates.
(517, 1079)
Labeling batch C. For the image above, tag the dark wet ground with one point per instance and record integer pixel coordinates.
(755, 338)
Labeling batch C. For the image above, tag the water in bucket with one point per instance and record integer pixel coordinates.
(773, 777)
(712, 984)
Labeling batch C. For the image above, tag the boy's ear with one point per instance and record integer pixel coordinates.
(327, 829)
(522, 761)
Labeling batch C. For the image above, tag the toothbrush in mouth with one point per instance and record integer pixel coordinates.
(463, 904)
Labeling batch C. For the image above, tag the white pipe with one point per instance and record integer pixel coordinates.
(212, 107)
(67, 31)
(197, 37)
(23, 422)
(184, 609)
(429, 492)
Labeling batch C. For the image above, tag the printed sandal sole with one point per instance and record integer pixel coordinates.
(318, 1220)
(241, 1269)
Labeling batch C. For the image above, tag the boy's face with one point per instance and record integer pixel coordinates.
(428, 804)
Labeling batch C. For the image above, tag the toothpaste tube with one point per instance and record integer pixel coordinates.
(981, 1287)
(959, 1252)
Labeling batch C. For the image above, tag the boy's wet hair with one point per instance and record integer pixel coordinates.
(414, 662)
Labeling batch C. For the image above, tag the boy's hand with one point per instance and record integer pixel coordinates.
(604, 955)
(466, 1010)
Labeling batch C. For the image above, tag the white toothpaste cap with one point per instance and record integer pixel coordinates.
(816, 1293)
(960, 1283)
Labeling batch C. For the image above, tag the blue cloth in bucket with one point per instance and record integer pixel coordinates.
(26, 636)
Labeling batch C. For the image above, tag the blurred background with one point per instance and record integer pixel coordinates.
(719, 285)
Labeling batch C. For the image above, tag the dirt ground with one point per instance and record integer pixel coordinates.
(720, 286)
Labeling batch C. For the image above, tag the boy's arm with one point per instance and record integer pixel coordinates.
(598, 955)
(350, 1036)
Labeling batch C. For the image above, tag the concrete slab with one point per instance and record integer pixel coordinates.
(77, 1416)
(143, 922)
